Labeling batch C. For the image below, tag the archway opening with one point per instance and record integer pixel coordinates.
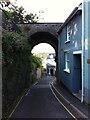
(45, 37)
(47, 55)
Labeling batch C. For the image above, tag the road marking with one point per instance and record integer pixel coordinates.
(35, 83)
(83, 115)
(60, 94)
(15, 108)
(27, 92)
(62, 103)
(30, 88)
(20, 101)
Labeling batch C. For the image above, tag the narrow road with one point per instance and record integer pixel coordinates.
(40, 102)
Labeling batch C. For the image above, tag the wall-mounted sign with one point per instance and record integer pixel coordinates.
(88, 61)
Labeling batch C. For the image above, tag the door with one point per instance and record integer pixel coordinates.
(78, 72)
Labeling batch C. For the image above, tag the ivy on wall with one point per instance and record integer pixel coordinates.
(14, 45)
(18, 68)
(16, 59)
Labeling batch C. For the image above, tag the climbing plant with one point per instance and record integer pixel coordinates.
(16, 66)
(15, 46)
(16, 54)
(36, 62)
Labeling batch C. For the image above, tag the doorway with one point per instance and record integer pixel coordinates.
(78, 74)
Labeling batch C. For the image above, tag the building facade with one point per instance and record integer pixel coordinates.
(51, 65)
(70, 55)
(86, 50)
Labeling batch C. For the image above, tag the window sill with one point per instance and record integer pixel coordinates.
(67, 41)
(67, 70)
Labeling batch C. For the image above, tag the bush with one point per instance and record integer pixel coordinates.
(19, 67)
(35, 62)
(14, 45)
(16, 66)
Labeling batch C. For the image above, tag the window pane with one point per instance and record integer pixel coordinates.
(67, 65)
(67, 60)
(67, 56)
(68, 32)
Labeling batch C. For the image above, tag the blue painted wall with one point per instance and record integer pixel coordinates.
(86, 56)
(70, 80)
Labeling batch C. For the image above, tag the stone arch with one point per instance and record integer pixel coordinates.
(42, 32)
(43, 37)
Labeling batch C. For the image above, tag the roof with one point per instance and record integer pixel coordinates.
(73, 13)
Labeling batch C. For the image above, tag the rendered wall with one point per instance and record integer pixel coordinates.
(86, 51)
(70, 80)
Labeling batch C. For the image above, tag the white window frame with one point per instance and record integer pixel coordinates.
(67, 61)
(68, 33)
(77, 52)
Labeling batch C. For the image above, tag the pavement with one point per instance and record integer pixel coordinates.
(73, 104)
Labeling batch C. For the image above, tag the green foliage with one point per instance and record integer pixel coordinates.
(42, 55)
(16, 56)
(19, 67)
(18, 14)
(4, 3)
(14, 45)
(35, 62)
(16, 66)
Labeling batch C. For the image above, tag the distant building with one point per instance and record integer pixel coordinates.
(51, 64)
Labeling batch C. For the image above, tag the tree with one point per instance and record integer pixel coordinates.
(4, 3)
(18, 14)
(36, 62)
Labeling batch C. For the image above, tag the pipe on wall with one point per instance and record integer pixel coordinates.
(82, 96)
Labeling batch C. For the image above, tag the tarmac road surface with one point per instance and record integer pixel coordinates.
(39, 102)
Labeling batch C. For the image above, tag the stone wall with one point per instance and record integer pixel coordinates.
(14, 82)
(31, 28)
(0, 64)
(39, 73)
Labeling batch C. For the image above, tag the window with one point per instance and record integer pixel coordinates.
(68, 34)
(67, 62)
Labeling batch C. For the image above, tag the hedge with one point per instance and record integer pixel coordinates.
(16, 69)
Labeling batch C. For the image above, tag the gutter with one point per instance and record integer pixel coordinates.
(75, 112)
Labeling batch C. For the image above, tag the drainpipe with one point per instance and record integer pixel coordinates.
(83, 43)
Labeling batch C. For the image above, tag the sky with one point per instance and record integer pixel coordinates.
(54, 11)
(41, 48)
